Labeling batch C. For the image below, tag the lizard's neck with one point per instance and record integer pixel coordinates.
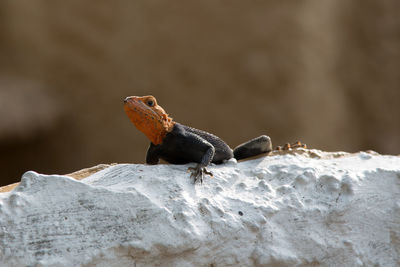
(156, 130)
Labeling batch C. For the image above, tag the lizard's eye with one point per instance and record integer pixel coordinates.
(150, 103)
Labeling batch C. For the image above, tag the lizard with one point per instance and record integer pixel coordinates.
(180, 144)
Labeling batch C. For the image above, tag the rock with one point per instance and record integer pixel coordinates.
(283, 209)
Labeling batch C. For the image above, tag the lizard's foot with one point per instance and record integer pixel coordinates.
(198, 173)
(289, 146)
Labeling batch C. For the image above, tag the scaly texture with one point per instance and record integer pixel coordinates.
(180, 144)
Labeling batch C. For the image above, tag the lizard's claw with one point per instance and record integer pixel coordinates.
(198, 173)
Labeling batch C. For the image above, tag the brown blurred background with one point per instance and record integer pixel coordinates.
(324, 72)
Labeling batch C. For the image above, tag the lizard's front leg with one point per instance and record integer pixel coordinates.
(199, 171)
(152, 155)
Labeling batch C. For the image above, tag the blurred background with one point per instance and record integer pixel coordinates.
(323, 72)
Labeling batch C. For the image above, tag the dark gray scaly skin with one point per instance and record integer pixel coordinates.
(185, 144)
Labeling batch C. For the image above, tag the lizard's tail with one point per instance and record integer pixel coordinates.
(254, 147)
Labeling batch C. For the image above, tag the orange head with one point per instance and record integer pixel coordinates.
(148, 117)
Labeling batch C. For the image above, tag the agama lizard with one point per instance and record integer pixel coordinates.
(180, 144)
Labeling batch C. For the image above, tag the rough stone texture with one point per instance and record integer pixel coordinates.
(314, 208)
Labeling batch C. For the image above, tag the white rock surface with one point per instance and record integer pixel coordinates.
(285, 210)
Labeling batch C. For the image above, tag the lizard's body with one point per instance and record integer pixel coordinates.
(180, 144)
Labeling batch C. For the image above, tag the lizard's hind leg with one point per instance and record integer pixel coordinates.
(254, 147)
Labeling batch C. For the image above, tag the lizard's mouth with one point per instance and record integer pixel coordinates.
(133, 107)
(130, 101)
